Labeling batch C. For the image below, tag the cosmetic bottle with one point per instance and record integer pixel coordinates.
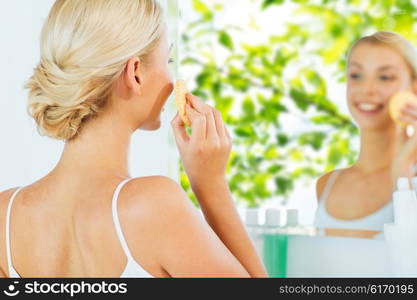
(405, 204)
(254, 229)
(275, 244)
(401, 236)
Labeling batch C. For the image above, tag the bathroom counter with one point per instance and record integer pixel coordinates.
(330, 256)
(337, 253)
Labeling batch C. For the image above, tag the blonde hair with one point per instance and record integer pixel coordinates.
(395, 41)
(85, 45)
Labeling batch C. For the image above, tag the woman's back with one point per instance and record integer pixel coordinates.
(72, 232)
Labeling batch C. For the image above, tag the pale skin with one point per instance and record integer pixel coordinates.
(71, 232)
(375, 73)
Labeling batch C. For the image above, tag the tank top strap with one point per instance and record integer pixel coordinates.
(8, 250)
(116, 220)
(328, 187)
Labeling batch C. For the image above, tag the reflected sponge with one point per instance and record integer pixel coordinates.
(398, 101)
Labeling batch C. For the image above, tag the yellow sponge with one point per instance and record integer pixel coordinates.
(181, 100)
(398, 101)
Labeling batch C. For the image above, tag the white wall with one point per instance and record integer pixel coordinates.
(24, 155)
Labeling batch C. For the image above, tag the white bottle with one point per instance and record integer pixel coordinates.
(401, 236)
(292, 218)
(405, 204)
(254, 229)
(293, 225)
(273, 222)
(272, 218)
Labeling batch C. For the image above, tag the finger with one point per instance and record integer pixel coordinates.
(407, 119)
(212, 133)
(412, 106)
(197, 104)
(410, 111)
(198, 123)
(219, 123)
(409, 129)
(178, 127)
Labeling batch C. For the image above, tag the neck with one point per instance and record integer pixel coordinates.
(376, 150)
(102, 148)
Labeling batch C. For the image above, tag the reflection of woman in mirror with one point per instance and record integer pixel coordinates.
(359, 197)
(104, 74)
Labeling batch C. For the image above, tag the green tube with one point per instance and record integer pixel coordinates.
(275, 254)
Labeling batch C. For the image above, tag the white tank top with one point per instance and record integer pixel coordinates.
(373, 221)
(132, 269)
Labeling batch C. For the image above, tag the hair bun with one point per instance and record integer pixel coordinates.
(61, 122)
(59, 104)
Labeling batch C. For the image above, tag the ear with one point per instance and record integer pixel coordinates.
(133, 75)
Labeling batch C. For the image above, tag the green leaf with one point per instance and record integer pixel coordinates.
(226, 40)
(282, 139)
(271, 153)
(244, 132)
(203, 78)
(268, 3)
(284, 185)
(300, 99)
(203, 9)
(248, 108)
(314, 139)
(275, 169)
(334, 156)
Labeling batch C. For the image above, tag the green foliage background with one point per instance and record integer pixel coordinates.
(254, 92)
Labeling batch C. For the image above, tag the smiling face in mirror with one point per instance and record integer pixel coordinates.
(375, 73)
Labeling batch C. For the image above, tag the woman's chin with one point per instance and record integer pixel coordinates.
(375, 125)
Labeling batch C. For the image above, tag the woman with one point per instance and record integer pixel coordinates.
(103, 74)
(379, 66)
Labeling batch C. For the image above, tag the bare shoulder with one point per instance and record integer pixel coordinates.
(6, 194)
(154, 192)
(154, 202)
(169, 223)
(322, 182)
(156, 185)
